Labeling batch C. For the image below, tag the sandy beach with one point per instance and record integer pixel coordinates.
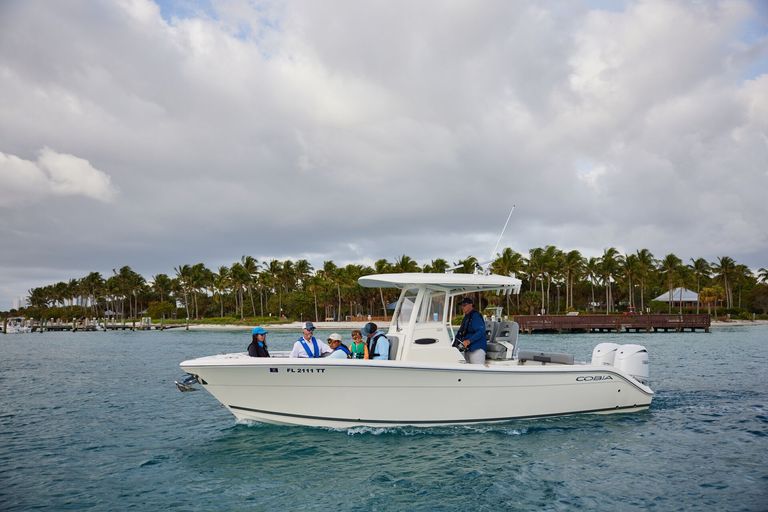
(341, 326)
(732, 323)
(292, 326)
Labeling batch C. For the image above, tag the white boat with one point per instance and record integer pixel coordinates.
(16, 325)
(426, 382)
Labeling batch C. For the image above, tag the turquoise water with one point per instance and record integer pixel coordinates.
(92, 421)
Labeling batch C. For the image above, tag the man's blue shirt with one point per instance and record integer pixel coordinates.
(476, 332)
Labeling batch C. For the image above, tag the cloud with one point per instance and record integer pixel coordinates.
(357, 132)
(53, 174)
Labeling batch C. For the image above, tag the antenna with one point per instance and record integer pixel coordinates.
(493, 253)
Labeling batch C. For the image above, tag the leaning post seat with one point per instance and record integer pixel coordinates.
(491, 329)
(504, 343)
(508, 331)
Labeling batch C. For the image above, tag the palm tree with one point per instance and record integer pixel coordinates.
(646, 264)
(313, 284)
(59, 291)
(762, 275)
(530, 300)
(438, 266)
(701, 269)
(39, 297)
(508, 263)
(221, 282)
(201, 279)
(73, 292)
(573, 267)
(93, 283)
(238, 280)
(130, 283)
(112, 290)
(330, 274)
(724, 271)
(287, 279)
(609, 265)
(161, 284)
(382, 266)
(273, 274)
(708, 296)
(251, 267)
(630, 271)
(303, 271)
(671, 267)
(468, 265)
(537, 268)
(553, 263)
(405, 264)
(742, 276)
(351, 290)
(592, 273)
(184, 280)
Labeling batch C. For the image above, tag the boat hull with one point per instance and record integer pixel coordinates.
(344, 393)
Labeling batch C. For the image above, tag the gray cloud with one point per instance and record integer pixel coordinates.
(355, 132)
(53, 174)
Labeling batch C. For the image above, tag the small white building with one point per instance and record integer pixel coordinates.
(679, 295)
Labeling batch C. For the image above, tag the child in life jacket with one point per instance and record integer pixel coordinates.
(358, 347)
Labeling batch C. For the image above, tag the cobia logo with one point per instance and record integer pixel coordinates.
(592, 378)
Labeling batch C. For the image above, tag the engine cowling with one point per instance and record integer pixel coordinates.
(633, 359)
(604, 354)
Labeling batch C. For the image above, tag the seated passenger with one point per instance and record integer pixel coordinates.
(377, 341)
(258, 346)
(358, 347)
(340, 350)
(307, 345)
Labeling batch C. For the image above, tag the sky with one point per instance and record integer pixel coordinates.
(160, 134)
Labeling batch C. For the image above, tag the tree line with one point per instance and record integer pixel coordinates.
(553, 281)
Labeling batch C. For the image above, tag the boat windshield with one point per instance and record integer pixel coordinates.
(405, 307)
(434, 307)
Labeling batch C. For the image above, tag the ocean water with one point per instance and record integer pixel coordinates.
(93, 421)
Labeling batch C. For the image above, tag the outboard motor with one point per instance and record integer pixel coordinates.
(604, 354)
(633, 359)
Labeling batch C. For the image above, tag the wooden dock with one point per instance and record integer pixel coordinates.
(612, 323)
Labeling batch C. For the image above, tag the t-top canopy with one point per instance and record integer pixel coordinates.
(456, 282)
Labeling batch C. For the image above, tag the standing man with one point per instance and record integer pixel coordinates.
(377, 342)
(307, 345)
(472, 333)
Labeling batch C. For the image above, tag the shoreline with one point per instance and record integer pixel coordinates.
(291, 326)
(331, 326)
(731, 323)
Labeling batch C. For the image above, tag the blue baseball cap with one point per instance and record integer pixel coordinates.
(259, 330)
(308, 326)
(370, 328)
